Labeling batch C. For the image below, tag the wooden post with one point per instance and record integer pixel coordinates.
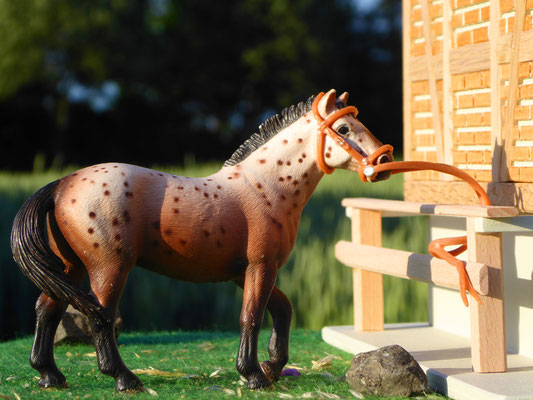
(367, 286)
(487, 320)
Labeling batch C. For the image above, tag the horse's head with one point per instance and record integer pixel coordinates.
(343, 141)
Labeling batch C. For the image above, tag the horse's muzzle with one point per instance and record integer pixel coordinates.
(383, 175)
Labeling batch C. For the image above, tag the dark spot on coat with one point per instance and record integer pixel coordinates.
(95, 245)
(118, 251)
(294, 205)
(92, 214)
(258, 185)
(115, 221)
(176, 199)
(205, 184)
(304, 155)
(215, 196)
(117, 237)
(206, 233)
(305, 175)
(236, 174)
(90, 230)
(197, 188)
(72, 201)
(329, 148)
(289, 177)
(284, 141)
(104, 184)
(183, 242)
(219, 187)
(84, 179)
(230, 178)
(268, 203)
(295, 182)
(206, 195)
(107, 193)
(281, 179)
(288, 163)
(300, 140)
(222, 230)
(127, 217)
(123, 174)
(168, 232)
(209, 180)
(280, 162)
(126, 184)
(160, 174)
(155, 224)
(328, 155)
(297, 192)
(262, 161)
(300, 160)
(219, 244)
(282, 197)
(75, 174)
(92, 181)
(128, 194)
(180, 187)
(175, 210)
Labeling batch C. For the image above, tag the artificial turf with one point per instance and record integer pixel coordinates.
(173, 365)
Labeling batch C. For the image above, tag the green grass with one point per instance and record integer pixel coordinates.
(201, 365)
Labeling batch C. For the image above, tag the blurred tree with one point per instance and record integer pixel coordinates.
(155, 81)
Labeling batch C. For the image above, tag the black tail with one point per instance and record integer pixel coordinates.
(37, 261)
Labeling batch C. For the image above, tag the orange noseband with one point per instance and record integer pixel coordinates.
(325, 127)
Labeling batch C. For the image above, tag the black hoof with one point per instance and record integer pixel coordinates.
(129, 382)
(260, 381)
(52, 380)
(271, 371)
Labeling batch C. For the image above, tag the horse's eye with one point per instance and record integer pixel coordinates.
(343, 129)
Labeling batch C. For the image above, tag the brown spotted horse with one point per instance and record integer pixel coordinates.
(239, 225)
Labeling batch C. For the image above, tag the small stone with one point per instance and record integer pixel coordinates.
(388, 371)
(75, 328)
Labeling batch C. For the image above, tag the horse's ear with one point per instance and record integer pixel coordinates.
(327, 103)
(343, 97)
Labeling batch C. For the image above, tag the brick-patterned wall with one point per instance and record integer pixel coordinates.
(470, 93)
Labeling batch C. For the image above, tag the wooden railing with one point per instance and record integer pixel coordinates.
(369, 260)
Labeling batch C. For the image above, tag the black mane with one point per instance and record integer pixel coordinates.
(268, 129)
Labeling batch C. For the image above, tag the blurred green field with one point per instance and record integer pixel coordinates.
(318, 285)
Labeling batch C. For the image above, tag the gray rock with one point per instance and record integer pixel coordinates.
(388, 371)
(74, 327)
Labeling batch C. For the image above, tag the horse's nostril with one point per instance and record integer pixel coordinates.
(383, 159)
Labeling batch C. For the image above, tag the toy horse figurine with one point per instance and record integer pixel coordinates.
(239, 225)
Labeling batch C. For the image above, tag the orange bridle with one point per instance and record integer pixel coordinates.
(368, 169)
(325, 127)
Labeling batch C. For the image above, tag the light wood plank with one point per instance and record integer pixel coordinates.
(495, 97)
(507, 135)
(435, 108)
(487, 320)
(428, 208)
(407, 265)
(521, 223)
(406, 54)
(516, 194)
(447, 100)
(367, 286)
(472, 58)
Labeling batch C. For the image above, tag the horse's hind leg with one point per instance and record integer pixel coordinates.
(48, 315)
(108, 290)
(280, 308)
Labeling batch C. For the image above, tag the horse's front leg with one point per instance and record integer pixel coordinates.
(258, 283)
(280, 308)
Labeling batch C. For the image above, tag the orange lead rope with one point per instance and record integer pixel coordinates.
(367, 170)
